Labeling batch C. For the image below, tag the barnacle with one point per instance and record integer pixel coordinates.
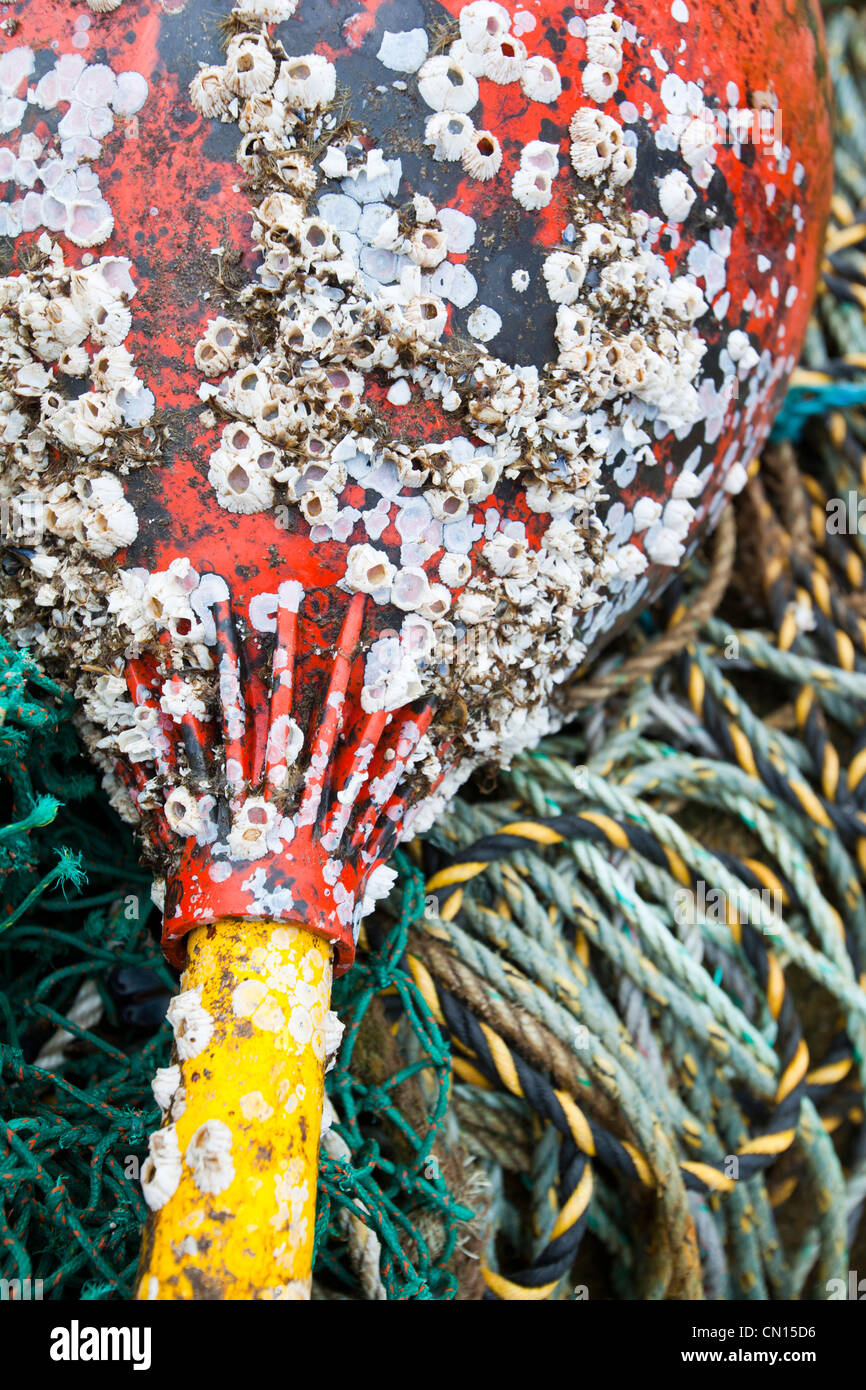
(191, 1022)
(676, 196)
(532, 189)
(208, 1157)
(265, 11)
(368, 569)
(504, 62)
(595, 138)
(564, 274)
(410, 588)
(249, 66)
(210, 92)
(599, 83)
(182, 812)
(483, 24)
(447, 86)
(604, 41)
(540, 79)
(482, 155)
(161, 1170)
(622, 165)
(428, 247)
(252, 823)
(219, 349)
(428, 315)
(236, 472)
(165, 1084)
(308, 81)
(449, 133)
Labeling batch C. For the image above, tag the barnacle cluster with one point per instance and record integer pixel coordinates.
(448, 83)
(75, 419)
(356, 277)
(352, 287)
(62, 446)
(59, 186)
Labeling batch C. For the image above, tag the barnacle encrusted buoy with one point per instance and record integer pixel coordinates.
(353, 373)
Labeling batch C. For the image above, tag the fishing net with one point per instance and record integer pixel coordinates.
(606, 1037)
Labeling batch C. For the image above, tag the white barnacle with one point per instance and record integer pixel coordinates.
(622, 165)
(73, 362)
(664, 547)
(564, 274)
(437, 603)
(604, 38)
(165, 1084)
(540, 79)
(595, 137)
(428, 247)
(281, 213)
(684, 300)
(504, 62)
(598, 240)
(111, 366)
(368, 569)
(104, 529)
(249, 66)
(445, 505)
(191, 1023)
(333, 1028)
(599, 83)
(474, 607)
(265, 11)
(449, 133)
(210, 93)
(506, 555)
(483, 25)
(261, 113)
(428, 316)
(309, 81)
(630, 561)
(531, 189)
(236, 473)
(320, 507)
(482, 156)
(252, 823)
(111, 322)
(404, 51)
(182, 812)
(219, 348)
(209, 1157)
(410, 588)
(676, 196)
(470, 59)
(88, 223)
(447, 86)
(540, 156)
(317, 241)
(334, 164)
(455, 570)
(698, 141)
(161, 1170)
(483, 324)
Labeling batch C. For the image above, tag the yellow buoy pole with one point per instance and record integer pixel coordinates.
(231, 1175)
